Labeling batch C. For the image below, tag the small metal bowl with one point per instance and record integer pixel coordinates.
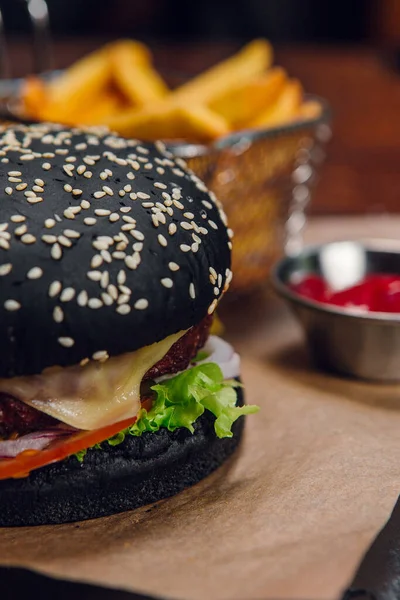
(346, 341)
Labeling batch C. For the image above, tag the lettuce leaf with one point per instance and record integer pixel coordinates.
(182, 399)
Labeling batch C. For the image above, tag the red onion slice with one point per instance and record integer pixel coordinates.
(223, 354)
(37, 440)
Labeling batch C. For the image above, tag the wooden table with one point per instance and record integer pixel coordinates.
(362, 173)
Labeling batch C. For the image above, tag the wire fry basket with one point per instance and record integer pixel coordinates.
(264, 179)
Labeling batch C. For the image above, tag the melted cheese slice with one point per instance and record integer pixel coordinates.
(92, 396)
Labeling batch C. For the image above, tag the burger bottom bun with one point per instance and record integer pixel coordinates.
(140, 471)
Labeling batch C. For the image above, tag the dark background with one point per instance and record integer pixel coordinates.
(279, 20)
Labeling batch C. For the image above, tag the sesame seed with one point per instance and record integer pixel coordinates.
(212, 306)
(49, 239)
(125, 209)
(77, 192)
(34, 273)
(95, 303)
(112, 290)
(135, 165)
(81, 169)
(105, 279)
(102, 212)
(96, 261)
(68, 170)
(101, 355)
(21, 186)
(37, 188)
(88, 174)
(67, 342)
(162, 240)
(69, 214)
(138, 246)
(213, 272)
(133, 196)
(4, 244)
(113, 217)
(212, 279)
(192, 291)
(99, 245)
(58, 314)
(94, 275)
(55, 288)
(34, 200)
(125, 290)
(138, 235)
(207, 204)
(108, 172)
(121, 193)
(64, 241)
(159, 185)
(28, 238)
(18, 218)
(5, 269)
(8, 190)
(108, 190)
(128, 219)
(184, 248)
(143, 195)
(82, 298)
(56, 251)
(84, 362)
(89, 220)
(216, 291)
(188, 215)
(107, 299)
(39, 182)
(99, 194)
(121, 277)
(172, 228)
(178, 204)
(70, 159)
(27, 157)
(103, 175)
(212, 224)
(124, 309)
(14, 173)
(186, 225)
(81, 146)
(219, 280)
(141, 304)
(12, 305)
(85, 204)
(124, 298)
(167, 282)
(21, 230)
(128, 226)
(160, 170)
(106, 255)
(147, 204)
(14, 180)
(46, 166)
(119, 255)
(29, 194)
(173, 266)
(130, 262)
(128, 187)
(71, 233)
(89, 161)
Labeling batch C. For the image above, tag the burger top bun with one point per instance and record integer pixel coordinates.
(106, 245)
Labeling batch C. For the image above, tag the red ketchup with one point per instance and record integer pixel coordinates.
(375, 293)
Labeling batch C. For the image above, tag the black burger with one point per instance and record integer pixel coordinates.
(113, 393)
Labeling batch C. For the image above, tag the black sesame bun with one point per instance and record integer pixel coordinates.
(106, 245)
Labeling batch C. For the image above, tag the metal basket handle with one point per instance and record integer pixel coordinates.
(38, 13)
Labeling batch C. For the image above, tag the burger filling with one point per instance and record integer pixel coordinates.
(170, 384)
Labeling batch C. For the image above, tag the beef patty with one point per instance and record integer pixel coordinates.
(19, 418)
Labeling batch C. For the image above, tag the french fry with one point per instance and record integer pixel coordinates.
(169, 121)
(239, 104)
(284, 109)
(80, 85)
(207, 87)
(33, 96)
(311, 109)
(135, 75)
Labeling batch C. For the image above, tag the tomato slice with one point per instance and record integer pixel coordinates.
(27, 461)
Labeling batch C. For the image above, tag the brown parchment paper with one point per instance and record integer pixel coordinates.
(289, 517)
